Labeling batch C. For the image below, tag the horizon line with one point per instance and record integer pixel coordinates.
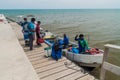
(51, 8)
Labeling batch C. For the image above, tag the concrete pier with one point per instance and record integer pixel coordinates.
(47, 68)
(14, 65)
(19, 63)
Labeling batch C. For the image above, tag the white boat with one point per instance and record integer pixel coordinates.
(89, 60)
(2, 19)
(86, 59)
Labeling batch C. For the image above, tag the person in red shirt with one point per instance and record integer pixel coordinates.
(38, 32)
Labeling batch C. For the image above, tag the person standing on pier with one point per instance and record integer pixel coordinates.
(31, 27)
(83, 46)
(38, 33)
(25, 31)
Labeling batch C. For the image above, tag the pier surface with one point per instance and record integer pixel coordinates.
(47, 68)
(19, 63)
(14, 65)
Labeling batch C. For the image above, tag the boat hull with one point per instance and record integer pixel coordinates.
(85, 59)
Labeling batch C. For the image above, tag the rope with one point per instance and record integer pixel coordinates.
(67, 64)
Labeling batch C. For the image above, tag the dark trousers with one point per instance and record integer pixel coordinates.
(31, 39)
(38, 37)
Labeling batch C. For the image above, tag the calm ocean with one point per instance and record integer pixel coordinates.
(101, 26)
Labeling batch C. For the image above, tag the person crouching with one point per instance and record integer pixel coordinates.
(56, 50)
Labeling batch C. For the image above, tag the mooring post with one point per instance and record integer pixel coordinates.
(105, 56)
(108, 66)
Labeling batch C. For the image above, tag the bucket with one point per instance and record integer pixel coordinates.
(47, 51)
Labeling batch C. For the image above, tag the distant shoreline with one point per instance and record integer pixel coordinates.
(68, 9)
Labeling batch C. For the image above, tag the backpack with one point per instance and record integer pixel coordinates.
(26, 27)
(56, 46)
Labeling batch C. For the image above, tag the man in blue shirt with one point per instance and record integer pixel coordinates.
(83, 46)
(31, 27)
(65, 41)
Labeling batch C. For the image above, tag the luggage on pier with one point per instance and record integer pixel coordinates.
(47, 51)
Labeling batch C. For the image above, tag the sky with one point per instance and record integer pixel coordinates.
(59, 4)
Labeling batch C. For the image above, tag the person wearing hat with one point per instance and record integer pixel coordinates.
(83, 45)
